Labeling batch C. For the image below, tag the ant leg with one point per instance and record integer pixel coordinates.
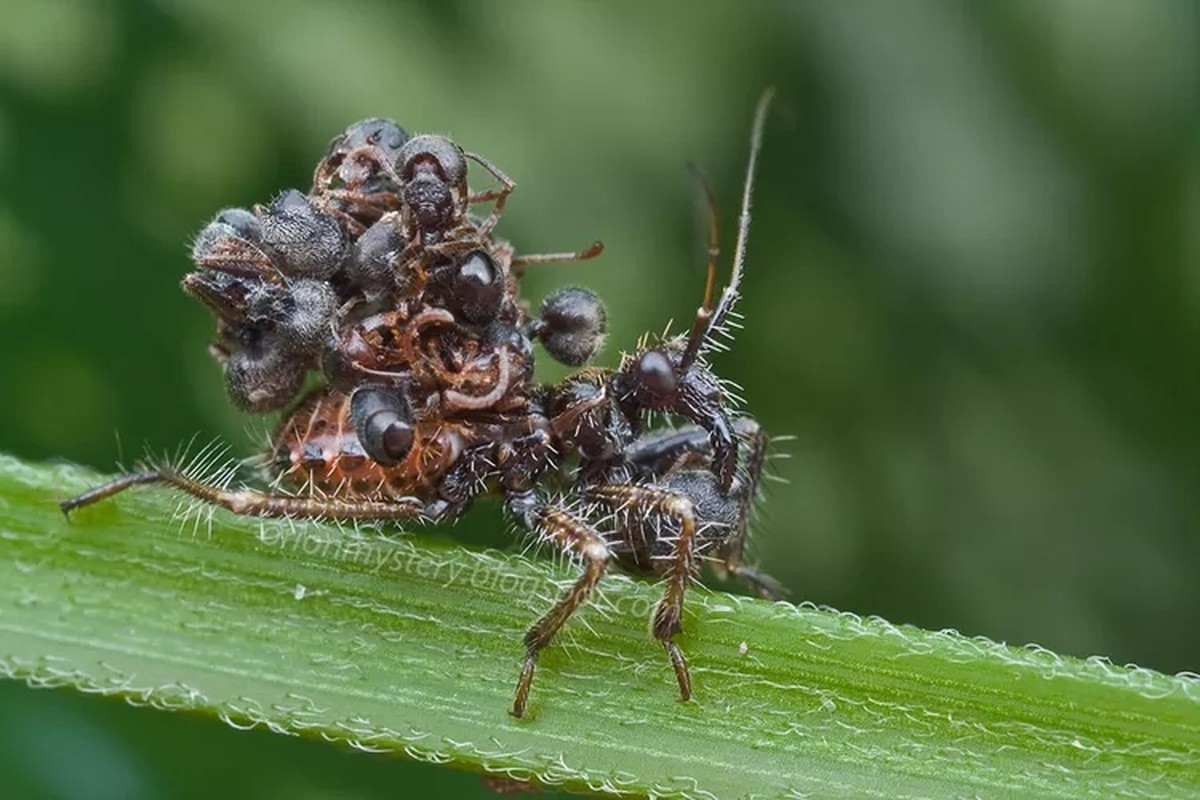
(257, 503)
(668, 614)
(656, 454)
(571, 536)
(593, 250)
(499, 195)
(104, 490)
(451, 246)
(745, 490)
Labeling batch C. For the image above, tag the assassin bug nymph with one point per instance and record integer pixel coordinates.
(393, 434)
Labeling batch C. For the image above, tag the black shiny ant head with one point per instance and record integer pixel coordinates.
(571, 326)
(383, 421)
(364, 156)
(472, 287)
(433, 172)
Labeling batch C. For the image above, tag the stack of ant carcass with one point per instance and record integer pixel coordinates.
(381, 280)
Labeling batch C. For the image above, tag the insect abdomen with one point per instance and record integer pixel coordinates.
(316, 449)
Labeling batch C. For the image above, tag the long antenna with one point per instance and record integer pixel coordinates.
(707, 322)
(704, 313)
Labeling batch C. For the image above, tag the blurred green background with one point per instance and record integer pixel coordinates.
(973, 288)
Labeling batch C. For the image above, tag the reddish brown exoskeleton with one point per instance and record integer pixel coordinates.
(382, 281)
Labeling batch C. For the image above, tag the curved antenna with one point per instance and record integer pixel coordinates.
(591, 251)
(704, 313)
(729, 295)
(499, 195)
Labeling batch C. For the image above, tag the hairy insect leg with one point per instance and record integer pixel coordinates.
(570, 535)
(744, 491)
(668, 614)
(258, 503)
(657, 455)
(105, 490)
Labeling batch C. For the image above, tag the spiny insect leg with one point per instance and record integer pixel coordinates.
(257, 503)
(668, 614)
(115, 486)
(745, 489)
(656, 454)
(571, 536)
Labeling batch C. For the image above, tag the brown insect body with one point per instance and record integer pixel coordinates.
(317, 448)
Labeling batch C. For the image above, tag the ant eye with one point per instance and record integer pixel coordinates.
(478, 288)
(383, 422)
(655, 374)
(437, 152)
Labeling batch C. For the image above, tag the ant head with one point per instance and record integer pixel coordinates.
(432, 155)
(262, 379)
(571, 325)
(376, 132)
(234, 275)
(362, 157)
(433, 174)
(269, 334)
(472, 286)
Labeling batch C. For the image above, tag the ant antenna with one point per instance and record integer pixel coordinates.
(499, 195)
(707, 320)
(593, 250)
(704, 313)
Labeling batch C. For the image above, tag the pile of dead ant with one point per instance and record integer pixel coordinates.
(383, 281)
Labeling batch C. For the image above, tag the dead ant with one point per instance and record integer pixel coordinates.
(577, 464)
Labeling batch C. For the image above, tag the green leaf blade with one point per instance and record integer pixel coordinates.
(412, 645)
